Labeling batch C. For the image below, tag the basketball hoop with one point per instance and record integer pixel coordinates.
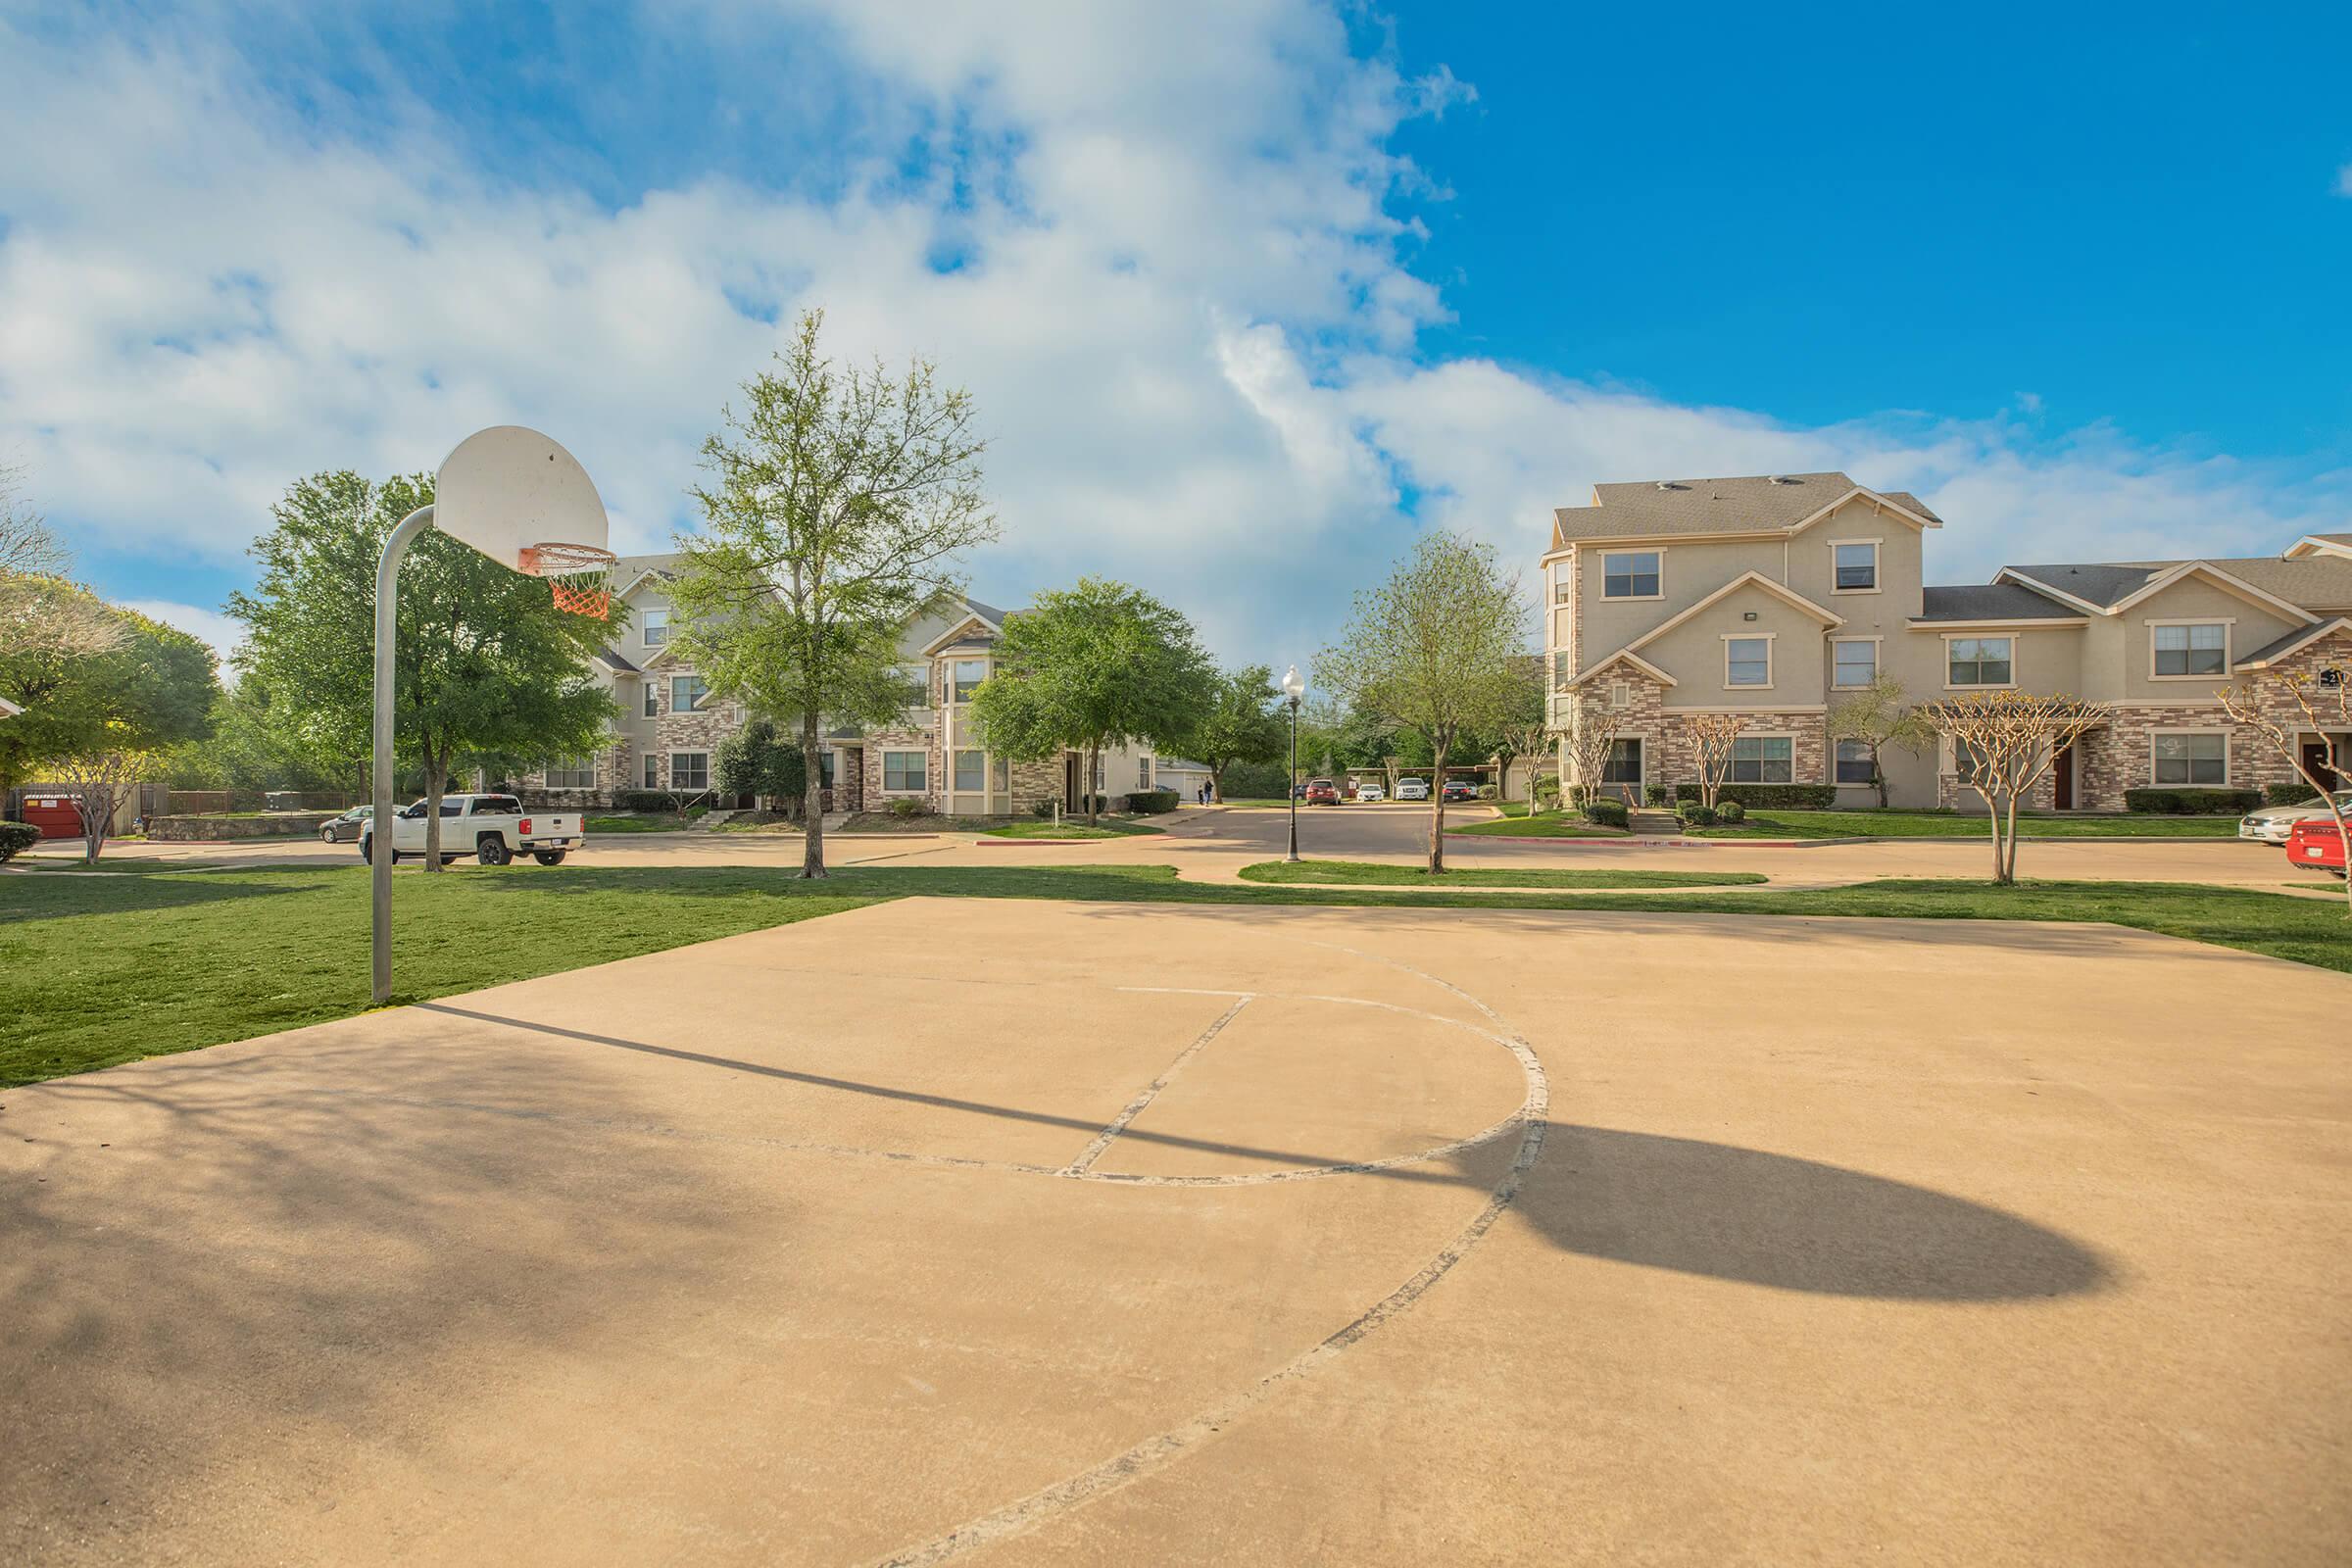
(580, 576)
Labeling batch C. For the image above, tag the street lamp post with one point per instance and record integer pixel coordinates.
(1294, 688)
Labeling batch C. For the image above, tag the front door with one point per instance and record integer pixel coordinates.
(2317, 758)
(2062, 771)
(1621, 775)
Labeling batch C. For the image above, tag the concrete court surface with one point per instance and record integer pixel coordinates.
(1010, 1232)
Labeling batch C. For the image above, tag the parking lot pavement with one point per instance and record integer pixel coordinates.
(1034, 1232)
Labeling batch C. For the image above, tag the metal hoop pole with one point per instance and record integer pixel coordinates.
(1293, 779)
(380, 826)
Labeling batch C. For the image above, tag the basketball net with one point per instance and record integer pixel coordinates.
(580, 576)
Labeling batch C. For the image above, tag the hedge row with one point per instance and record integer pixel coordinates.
(1149, 803)
(1607, 813)
(2196, 802)
(1769, 797)
(2294, 794)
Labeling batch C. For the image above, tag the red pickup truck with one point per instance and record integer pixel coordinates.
(2316, 845)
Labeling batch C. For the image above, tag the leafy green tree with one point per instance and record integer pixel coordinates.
(1526, 728)
(1880, 715)
(1433, 651)
(102, 724)
(1091, 667)
(757, 761)
(1244, 722)
(837, 505)
(484, 664)
(251, 749)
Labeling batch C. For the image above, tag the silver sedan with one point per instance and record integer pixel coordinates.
(345, 829)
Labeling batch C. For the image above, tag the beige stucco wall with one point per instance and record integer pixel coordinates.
(1694, 652)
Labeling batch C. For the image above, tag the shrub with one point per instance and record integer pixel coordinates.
(1769, 797)
(1545, 791)
(2191, 801)
(1149, 803)
(2294, 794)
(1731, 811)
(644, 801)
(16, 838)
(1487, 792)
(1698, 815)
(1042, 807)
(1607, 814)
(905, 806)
(1654, 795)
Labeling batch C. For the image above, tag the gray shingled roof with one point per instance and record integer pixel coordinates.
(1711, 505)
(2315, 582)
(616, 663)
(1992, 601)
(2280, 645)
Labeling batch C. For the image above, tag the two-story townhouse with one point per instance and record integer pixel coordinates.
(1773, 596)
(670, 724)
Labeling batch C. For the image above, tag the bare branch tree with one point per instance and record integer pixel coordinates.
(40, 611)
(1586, 748)
(2245, 704)
(1712, 737)
(2003, 744)
(100, 781)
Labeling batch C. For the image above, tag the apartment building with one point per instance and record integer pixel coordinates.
(671, 725)
(1774, 595)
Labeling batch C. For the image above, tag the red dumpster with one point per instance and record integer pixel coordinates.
(56, 816)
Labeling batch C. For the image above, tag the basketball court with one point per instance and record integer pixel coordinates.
(1009, 1232)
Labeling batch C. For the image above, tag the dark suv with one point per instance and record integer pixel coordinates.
(1460, 789)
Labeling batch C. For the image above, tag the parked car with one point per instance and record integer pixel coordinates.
(1370, 792)
(1298, 791)
(1460, 789)
(2272, 823)
(495, 828)
(1412, 789)
(1322, 792)
(345, 829)
(2316, 846)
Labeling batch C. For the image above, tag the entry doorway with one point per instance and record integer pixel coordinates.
(2321, 757)
(1622, 772)
(2062, 778)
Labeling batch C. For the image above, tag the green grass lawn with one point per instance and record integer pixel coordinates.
(107, 969)
(1374, 873)
(1906, 824)
(1073, 828)
(1540, 825)
(641, 822)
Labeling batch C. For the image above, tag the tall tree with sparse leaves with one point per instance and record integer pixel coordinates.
(839, 501)
(1433, 651)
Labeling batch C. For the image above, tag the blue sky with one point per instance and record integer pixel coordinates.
(1248, 290)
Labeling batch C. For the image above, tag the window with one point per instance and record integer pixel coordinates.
(1748, 660)
(970, 673)
(576, 773)
(452, 807)
(824, 769)
(686, 693)
(1763, 760)
(1853, 763)
(1633, 575)
(1964, 758)
(904, 770)
(971, 770)
(1621, 693)
(1562, 591)
(1623, 765)
(652, 772)
(1003, 772)
(1560, 670)
(2183, 758)
(653, 699)
(1856, 664)
(1856, 567)
(1979, 660)
(656, 625)
(690, 770)
(2199, 649)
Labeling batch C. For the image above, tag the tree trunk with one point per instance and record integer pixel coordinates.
(2009, 832)
(434, 772)
(812, 800)
(1438, 748)
(1094, 765)
(1216, 784)
(96, 806)
(1877, 774)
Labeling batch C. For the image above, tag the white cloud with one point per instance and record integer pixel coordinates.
(1185, 304)
(223, 633)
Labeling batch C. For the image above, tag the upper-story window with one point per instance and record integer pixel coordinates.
(1748, 660)
(1981, 662)
(1856, 565)
(1630, 575)
(918, 682)
(686, 693)
(1855, 661)
(968, 675)
(655, 625)
(2198, 648)
(653, 698)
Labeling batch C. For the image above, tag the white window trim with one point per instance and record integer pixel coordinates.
(1878, 576)
(1606, 598)
(2228, 625)
(1788, 735)
(701, 751)
(1834, 780)
(645, 625)
(1875, 664)
(2226, 737)
(1771, 670)
(2011, 638)
(1641, 788)
(687, 674)
(884, 754)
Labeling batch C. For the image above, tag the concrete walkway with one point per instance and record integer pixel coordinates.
(1037, 1233)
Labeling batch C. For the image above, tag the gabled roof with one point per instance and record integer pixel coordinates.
(1992, 601)
(1625, 656)
(1787, 596)
(987, 617)
(614, 662)
(2297, 585)
(2321, 544)
(2272, 652)
(1752, 504)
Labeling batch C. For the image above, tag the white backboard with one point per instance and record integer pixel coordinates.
(506, 489)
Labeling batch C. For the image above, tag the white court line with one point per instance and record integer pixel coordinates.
(1135, 1106)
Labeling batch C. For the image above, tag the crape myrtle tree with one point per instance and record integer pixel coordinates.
(483, 662)
(2264, 703)
(1432, 650)
(105, 725)
(41, 612)
(838, 502)
(1879, 715)
(1525, 732)
(1243, 722)
(1713, 738)
(1583, 747)
(2003, 744)
(1093, 667)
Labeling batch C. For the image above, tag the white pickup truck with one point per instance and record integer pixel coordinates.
(492, 828)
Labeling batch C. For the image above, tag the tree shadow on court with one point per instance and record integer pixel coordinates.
(1732, 1213)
